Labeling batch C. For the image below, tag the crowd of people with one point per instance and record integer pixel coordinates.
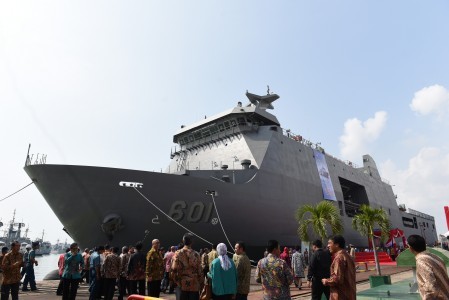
(335, 278)
(182, 270)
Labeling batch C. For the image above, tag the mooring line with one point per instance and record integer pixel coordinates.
(219, 220)
(185, 228)
(17, 191)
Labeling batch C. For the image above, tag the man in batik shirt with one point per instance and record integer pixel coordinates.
(342, 280)
(111, 272)
(213, 254)
(205, 261)
(433, 282)
(11, 264)
(154, 269)
(136, 270)
(186, 270)
(274, 274)
(243, 266)
(123, 281)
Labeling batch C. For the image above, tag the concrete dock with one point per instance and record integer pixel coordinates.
(47, 288)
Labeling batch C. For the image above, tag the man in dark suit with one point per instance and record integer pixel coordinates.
(319, 268)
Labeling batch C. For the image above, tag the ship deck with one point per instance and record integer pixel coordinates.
(400, 277)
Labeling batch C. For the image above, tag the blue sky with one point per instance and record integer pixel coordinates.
(108, 83)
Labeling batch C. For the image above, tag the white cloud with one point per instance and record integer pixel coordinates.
(357, 135)
(431, 100)
(423, 184)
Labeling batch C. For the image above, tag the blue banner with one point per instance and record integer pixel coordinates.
(323, 171)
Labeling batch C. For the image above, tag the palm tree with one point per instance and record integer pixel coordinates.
(321, 217)
(364, 222)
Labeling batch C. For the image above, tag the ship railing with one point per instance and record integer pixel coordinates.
(385, 181)
(300, 139)
(39, 159)
(420, 214)
(346, 162)
(181, 161)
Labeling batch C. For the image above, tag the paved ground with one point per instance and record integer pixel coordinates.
(47, 289)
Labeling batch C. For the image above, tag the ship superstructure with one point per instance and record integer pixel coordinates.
(14, 232)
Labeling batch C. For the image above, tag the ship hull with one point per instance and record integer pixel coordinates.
(84, 198)
(165, 206)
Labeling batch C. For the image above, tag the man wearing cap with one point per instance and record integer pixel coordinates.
(11, 264)
(29, 261)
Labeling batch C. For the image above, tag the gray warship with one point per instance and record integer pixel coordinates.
(234, 176)
(14, 232)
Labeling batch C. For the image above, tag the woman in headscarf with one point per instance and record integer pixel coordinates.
(286, 256)
(223, 275)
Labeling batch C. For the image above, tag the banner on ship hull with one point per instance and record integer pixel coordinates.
(323, 171)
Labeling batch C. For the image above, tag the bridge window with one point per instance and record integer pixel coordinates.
(205, 132)
(241, 121)
(197, 135)
(213, 129)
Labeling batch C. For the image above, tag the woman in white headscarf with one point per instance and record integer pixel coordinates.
(223, 275)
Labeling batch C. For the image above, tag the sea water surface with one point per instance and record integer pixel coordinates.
(47, 263)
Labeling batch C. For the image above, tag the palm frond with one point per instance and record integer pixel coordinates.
(318, 218)
(367, 218)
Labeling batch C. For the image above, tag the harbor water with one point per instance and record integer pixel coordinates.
(47, 263)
